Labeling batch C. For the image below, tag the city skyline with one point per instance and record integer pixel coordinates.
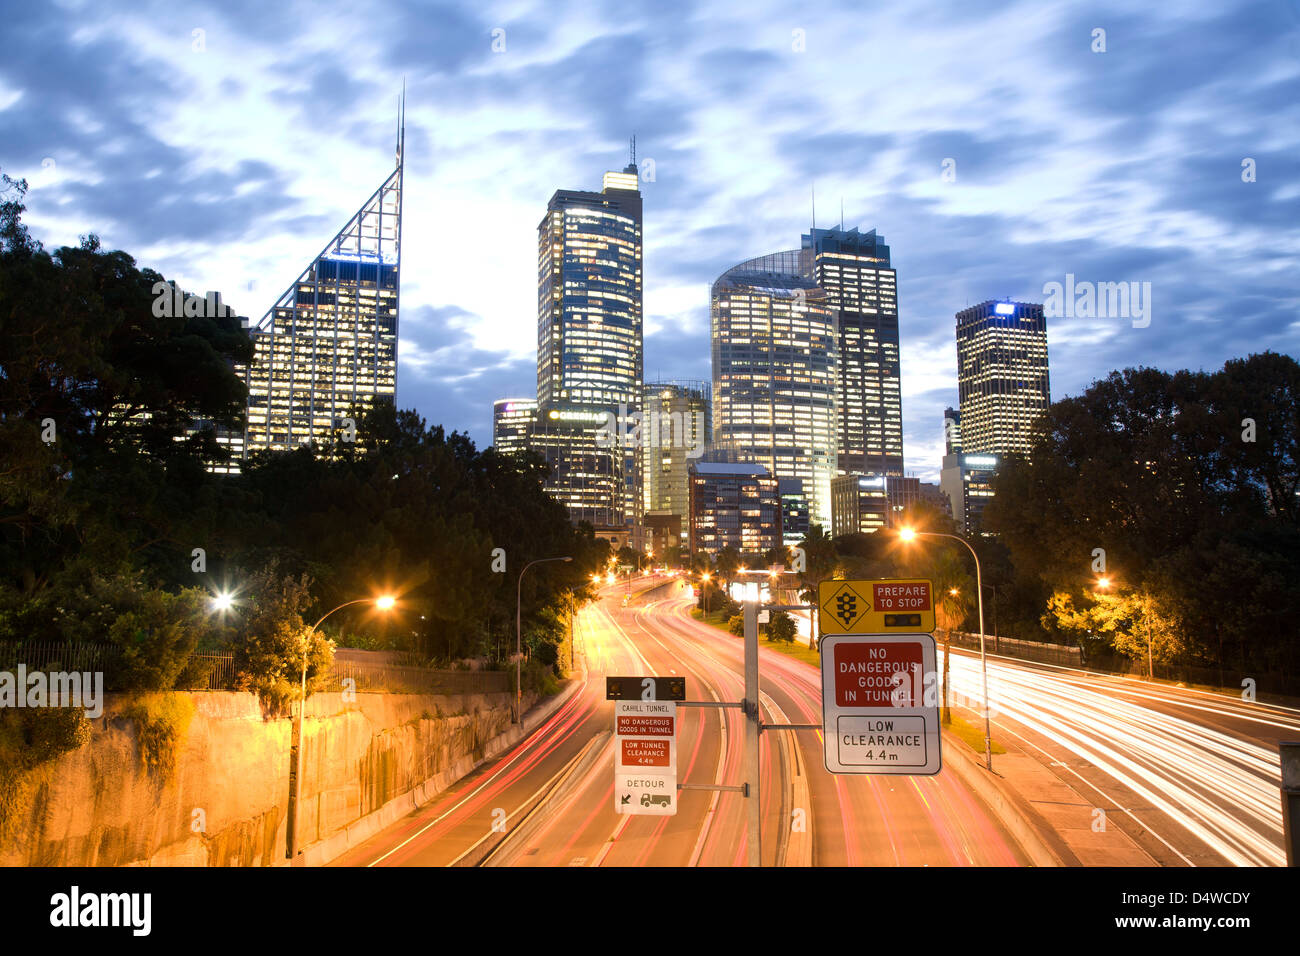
(1064, 173)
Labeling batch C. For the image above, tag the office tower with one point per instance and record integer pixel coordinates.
(863, 504)
(735, 505)
(327, 349)
(589, 340)
(676, 426)
(512, 422)
(586, 471)
(775, 348)
(951, 431)
(589, 323)
(794, 511)
(1002, 377)
(854, 271)
(967, 480)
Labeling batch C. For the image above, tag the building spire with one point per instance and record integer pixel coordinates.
(634, 149)
(401, 123)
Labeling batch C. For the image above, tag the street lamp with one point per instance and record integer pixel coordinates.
(704, 581)
(384, 602)
(907, 535)
(223, 602)
(519, 666)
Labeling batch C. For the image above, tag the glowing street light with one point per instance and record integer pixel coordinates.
(910, 534)
(1103, 582)
(384, 602)
(223, 602)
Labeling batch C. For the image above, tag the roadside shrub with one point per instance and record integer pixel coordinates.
(28, 738)
(781, 627)
(269, 655)
(161, 722)
(737, 625)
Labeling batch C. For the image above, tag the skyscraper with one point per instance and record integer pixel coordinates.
(589, 322)
(589, 352)
(775, 348)
(329, 343)
(513, 420)
(854, 271)
(1002, 377)
(676, 426)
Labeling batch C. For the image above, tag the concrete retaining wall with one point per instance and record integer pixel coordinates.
(225, 804)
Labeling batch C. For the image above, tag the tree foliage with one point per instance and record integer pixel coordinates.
(1182, 489)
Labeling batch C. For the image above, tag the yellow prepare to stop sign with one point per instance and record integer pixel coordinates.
(881, 606)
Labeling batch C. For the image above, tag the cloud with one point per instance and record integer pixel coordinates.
(231, 167)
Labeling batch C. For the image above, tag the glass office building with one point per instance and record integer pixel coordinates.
(676, 426)
(854, 271)
(1002, 376)
(589, 342)
(775, 348)
(589, 323)
(512, 422)
(329, 344)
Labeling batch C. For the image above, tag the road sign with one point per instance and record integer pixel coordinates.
(880, 710)
(645, 757)
(884, 606)
(645, 688)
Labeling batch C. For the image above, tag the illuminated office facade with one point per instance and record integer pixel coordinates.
(967, 481)
(329, 344)
(864, 504)
(586, 473)
(589, 323)
(676, 426)
(513, 420)
(589, 348)
(734, 505)
(1002, 376)
(853, 269)
(775, 347)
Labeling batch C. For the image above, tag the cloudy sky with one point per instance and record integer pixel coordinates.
(223, 144)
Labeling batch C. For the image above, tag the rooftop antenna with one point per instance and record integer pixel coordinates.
(401, 123)
(813, 189)
(634, 149)
(841, 214)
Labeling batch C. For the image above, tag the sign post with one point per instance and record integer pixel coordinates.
(880, 710)
(891, 606)
(645, 743)
(878, 704)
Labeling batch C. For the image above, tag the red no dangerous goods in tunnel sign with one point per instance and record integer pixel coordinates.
(879, 704)
(645, 757)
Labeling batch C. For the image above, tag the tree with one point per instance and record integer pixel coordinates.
(781, 627)
(1165, 482)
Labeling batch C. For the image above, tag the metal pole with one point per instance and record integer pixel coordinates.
(984, 664)
(295, 789)
(519, 666)
(1289, 754)
(755, 832)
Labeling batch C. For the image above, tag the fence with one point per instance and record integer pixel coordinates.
(1024, 650)
(216, 671)
(49, 656)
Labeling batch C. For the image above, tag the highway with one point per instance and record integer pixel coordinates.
(852, 820)
(1191, 775)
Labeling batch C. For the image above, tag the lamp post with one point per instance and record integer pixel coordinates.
(519, 665)
(384, 603)
(907, 534)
